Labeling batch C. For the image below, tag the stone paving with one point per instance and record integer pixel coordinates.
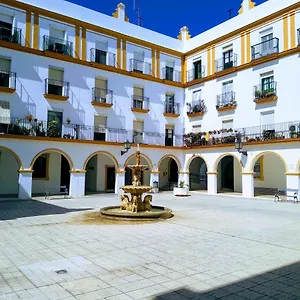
(216, 247)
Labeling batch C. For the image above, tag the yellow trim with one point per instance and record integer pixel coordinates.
(225, 108)
(298, 167)
(153, 63)
(77, 41)
(241, 10)
(101, 152)
(28, 29)
(171, 115)
(147, 158)
(157, 64)
(119, 53)
(25, 171)
(293, 29)
(101, 104)
(243, 48)
(78, 172)
(83, 44)
(47, 168)
(56, 97)
(216, 164)
(183, 70)
(124, 55)
(251, 4)
(261, 163)
(183, 173)
(171, 156)
(7, 90)
(208, 62)
(154, 172)
(292, 174)
(247, 173)
(212, 173)
(140, 110)
(213, 59)
(36, 31)
(285, 33)
(248, 47)
(120, 172)
(15, 155)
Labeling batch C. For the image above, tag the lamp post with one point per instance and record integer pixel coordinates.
(239, 143)
(127, 146)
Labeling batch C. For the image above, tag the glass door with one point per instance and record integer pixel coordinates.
(54, 123)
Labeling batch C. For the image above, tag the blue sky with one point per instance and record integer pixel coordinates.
(168, 16)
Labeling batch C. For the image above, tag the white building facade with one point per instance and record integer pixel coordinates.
(76, 84)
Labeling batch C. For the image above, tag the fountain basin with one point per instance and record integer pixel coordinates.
(136, 190)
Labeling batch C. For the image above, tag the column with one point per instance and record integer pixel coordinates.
(120, 181)
(154, 176)
(248, 184)
(77, 183)
(293, 182)
(185, 177)
(212, 183)
(25, 184)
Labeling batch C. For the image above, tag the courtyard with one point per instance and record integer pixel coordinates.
(215, 247)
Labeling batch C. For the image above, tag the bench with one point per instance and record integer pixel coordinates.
(53, 191)
(283, 192)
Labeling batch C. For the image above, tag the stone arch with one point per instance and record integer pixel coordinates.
(53, 150)
(251, 166)
(188, 163)
(15, 155)
(147, 158)
(101, 152)
(215, 167)
(170, 156)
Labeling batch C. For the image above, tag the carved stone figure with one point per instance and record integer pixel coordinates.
(134, 204)
(125, 205)
(148, 203)
(137, 158)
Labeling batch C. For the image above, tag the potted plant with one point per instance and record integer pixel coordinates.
(293, 131)
(68, 120)
(181, 190)
(257, 94)
(29, 117)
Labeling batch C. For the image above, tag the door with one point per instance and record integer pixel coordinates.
(110, 179)
(56, 42)
(228, 59)
(101, 52)
(4, 72)
(267, 44)
(227, 92)
(100, 90)
(6, 30)
(169, 136)
(138, 128)
(197, 69)
(227, 173)
(138, 61)
(173, 171)
(99, 128)
(170, 70)
(54, 127)
(170, 104)
(267, 122)
(138, 96)
(64, 172)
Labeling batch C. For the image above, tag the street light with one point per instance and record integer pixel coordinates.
(127, 146)
(239, 143)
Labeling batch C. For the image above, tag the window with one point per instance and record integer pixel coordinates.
(138, 61)
(4, 116)
(197, 69)
(5, 31)
(41, 167)
(55, 82)
(227, 92)
(57, 42)
(228, 59)
(54, 123)
(138, 97)
(170, 70)
(101, 52)
(267, 85)
(4, 72)
(170, 104)
(100, 90)
(196, 128)
(100, 128)
(258, 169)
(169, 135)
(138, 128)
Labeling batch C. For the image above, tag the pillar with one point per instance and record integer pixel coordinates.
(212, 183)
(120, 181)
(293, 182)
(185, 177)
(25, 184)
(77, 183)
(248, 184)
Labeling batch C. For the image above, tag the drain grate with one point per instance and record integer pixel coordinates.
(61, 271)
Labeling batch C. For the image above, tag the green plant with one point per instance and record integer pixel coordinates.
(181, 184)
(257, 94)
(52, 129)
(196, 108)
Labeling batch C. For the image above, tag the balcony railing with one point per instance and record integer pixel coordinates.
(265, 48)
(139, 66)
(57, 87)
(226, 99)
(298, 34)
(193, 74)
(221, 64)
(102, 57)
(196, 107)
(170, 74)
(8, 79)
(12, 35)
(140, 102)
(102, 95)
(57, 45)
(172, 108)
(54, 129)
(265, 90)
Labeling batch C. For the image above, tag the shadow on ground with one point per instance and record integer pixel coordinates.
(282, 283)
(10, 210)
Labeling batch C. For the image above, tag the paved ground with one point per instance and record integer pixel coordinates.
(214, 248)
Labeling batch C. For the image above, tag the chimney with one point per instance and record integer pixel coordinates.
(184, 34)
(120, 13)
(246, 6)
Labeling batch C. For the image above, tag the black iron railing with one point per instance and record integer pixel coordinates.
(169, 73)
(195, 74)
(57, 45)
(8, 79)
(103, 57)
(265, 90)
(226, 99)
(265, 48)
(102, 95)
(139, 66)
(172, 107)
(223, 64)
(57, 87)
(12, 35)
(196, 107)
(140, 102)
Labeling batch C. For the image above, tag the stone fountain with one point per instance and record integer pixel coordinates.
(134, 206)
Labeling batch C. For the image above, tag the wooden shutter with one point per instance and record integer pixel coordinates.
(4, 65)
(100, 123)
(170, 63)
(197, 95)
(227, 124)
(56, 33)
(138, 91)
(101, 83)
(56, 74)
(4, 112)
(138, 126)
(102, 45)
(6, 18)
(197, 128)
(138, 55)
(267, 118)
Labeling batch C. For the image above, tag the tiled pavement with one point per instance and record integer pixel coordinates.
(214, 248)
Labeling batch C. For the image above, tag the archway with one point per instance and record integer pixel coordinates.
(10, 163)
(100, 174)
(269, 170)
(198, 174)
(229, 174)
(51, 171)
(168, 173)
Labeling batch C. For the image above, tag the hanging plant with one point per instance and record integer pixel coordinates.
(29, 117)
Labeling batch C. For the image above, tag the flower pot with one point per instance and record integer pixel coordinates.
(181, 191)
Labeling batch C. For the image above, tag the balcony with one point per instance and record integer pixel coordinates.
(298, 34)
(102, 57)
(56, 89)
(139, 66)
(222, 64)
(194, 74)
(196, 108)
(12, 35)
(102, 97)
(7, 82)
(264, 93)
(226, 101)
(140, 104)
(171, 109)
(57, 45)
(170, 74)
(265, 48)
